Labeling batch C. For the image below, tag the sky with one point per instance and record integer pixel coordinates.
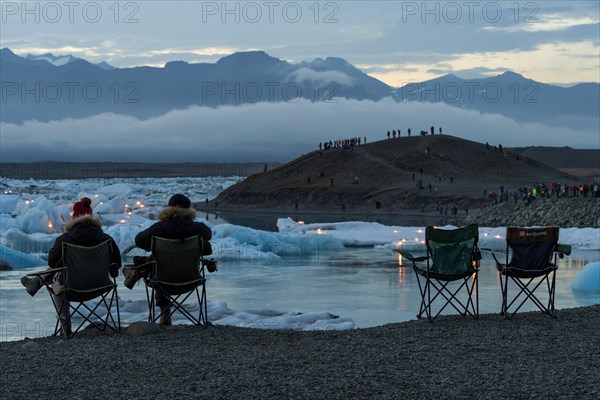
(398, 42)
(395, 41)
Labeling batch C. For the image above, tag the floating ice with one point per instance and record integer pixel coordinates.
(8, 203)
(238, 242)
(17, 259)
(358, 233)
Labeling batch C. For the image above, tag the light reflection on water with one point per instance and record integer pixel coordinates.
(365, 284)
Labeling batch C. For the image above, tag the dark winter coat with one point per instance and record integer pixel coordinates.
(83, 231)
(176, 223)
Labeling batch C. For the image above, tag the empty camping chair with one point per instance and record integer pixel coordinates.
(87, 274)
(452, 256)
(532, 253)
(177, 272)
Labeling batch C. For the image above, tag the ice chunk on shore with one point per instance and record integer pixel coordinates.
(588, 279)
(221, 314)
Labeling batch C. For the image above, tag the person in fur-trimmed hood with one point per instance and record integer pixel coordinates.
(176, 221)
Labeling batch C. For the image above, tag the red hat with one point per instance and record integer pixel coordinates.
(82, 207)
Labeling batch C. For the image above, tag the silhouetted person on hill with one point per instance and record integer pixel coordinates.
(432, 129)
(398, 132)
(388, 134)
(440, 130)
(394, 134)
(408, 131)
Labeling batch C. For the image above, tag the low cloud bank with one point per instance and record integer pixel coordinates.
(263, 132)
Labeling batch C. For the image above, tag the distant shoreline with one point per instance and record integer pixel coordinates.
(110, 170)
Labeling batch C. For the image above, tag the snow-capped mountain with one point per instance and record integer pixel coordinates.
(63, 60)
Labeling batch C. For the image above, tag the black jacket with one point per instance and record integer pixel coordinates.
(176, 223)
(83, 231)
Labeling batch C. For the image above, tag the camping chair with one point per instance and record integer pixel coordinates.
(533, 262)
(176, 271)
(452, 255)
(87, 273)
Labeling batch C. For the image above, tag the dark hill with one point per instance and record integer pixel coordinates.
(389, 171)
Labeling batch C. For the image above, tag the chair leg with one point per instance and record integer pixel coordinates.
(529, 294)
(62, 306)
(422, 292)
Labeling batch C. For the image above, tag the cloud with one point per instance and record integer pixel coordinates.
(262, 132)
(323, 77)
(546, 23)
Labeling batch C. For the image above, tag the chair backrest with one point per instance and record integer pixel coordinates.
(88, 268)
(531, 248)
(176, 260)
(452, 251)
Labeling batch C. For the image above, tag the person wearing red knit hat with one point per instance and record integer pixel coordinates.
(83, 230)
(82, 207)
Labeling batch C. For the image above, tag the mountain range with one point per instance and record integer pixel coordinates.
(48, 87)
(62, 60)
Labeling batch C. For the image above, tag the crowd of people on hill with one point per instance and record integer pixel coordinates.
(345, 144)
(392, 134)
(543, 190)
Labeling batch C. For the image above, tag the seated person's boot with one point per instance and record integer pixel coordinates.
(165, 315)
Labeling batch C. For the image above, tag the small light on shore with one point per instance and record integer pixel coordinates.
(50, 224)
(498, 237)
(122, 221)
(420, 231)
(319, 231)
(300, 222)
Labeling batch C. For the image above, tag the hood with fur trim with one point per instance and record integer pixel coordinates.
(84, 218)
(176, 212)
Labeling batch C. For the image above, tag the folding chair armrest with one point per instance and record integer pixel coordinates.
(412, 258)
(141, 266)
(563, 249)
(48, 271)
(113, 269)
(498, 263)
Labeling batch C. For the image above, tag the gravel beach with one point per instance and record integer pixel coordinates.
(529, 356)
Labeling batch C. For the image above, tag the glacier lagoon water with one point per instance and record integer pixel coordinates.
(330, 275)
